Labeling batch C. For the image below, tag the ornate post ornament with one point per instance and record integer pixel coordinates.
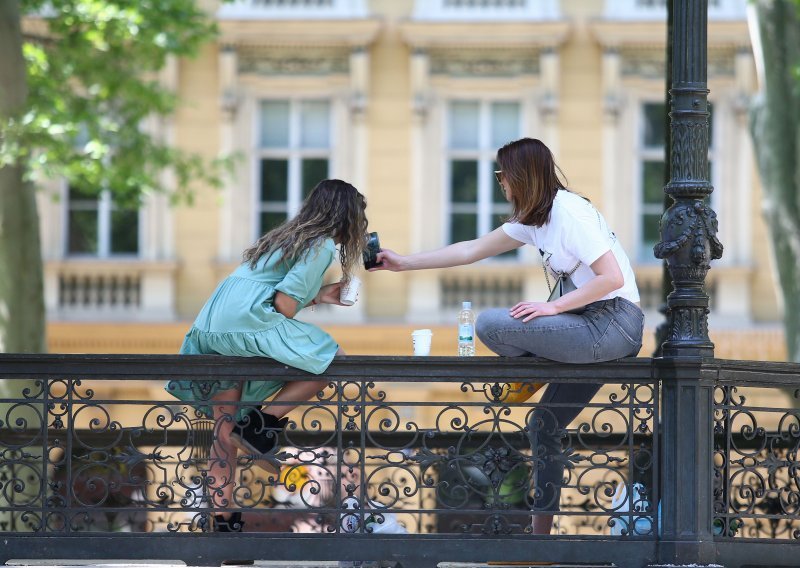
(688, 228)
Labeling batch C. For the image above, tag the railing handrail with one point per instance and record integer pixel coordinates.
(391, 368)
(377, 367)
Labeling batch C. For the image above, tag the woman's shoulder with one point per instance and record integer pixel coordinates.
(571, 206)
(323, 248)
(324, 245)
(328, 244)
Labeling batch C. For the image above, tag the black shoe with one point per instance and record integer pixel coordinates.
(231, 524)
(257, 434)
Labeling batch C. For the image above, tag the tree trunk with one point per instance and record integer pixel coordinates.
(21, 290)
(775, 127)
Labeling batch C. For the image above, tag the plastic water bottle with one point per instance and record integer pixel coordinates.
(642, 523)
(466, 330)
(350, 520)
(350, 523)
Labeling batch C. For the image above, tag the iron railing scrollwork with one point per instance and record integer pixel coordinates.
(392, 447)
(757, 473)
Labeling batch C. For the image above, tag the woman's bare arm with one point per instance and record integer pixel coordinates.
(457, 254)
(608, 277)
(285, 305)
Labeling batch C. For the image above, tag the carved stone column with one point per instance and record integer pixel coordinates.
(229, 103)
(689, 227)
(359, 80)
(612, 83)
(419, 72)
(612, 106)
(359, 101)
(548, 103)
(160, 241)
(424, 295)
(744, 76)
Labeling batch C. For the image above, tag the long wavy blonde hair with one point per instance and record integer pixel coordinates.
(334, 209)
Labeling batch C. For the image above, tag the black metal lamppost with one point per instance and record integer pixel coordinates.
(689, 227)
(688, 244)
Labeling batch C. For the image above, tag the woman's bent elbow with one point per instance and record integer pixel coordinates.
(285, 306)
(617, 282)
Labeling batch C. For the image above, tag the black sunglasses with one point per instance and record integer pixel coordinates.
(497, 176)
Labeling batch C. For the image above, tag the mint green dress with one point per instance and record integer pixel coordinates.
(239, 319)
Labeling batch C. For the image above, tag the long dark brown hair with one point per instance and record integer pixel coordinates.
(334, 209)
(533, 179)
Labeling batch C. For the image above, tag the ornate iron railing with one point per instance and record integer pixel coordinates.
(405, 459)
(756, 468)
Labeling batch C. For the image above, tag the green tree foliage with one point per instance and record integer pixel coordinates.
(78, 81)
(775, 127)
(92, 69)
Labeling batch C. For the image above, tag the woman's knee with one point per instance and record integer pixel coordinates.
(488, 328)
(487, 324)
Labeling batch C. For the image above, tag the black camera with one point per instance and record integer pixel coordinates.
(370, 255)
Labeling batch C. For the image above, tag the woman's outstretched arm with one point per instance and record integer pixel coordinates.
(457, 254)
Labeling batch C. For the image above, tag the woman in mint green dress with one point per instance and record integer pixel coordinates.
(251, 314)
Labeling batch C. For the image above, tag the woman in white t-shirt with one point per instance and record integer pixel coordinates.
(572, 237)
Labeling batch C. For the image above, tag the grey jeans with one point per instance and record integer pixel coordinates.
(605, 330)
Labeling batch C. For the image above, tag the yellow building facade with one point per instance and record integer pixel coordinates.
(409, 101)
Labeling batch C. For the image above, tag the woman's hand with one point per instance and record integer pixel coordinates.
(329, 294)
(530, 310)
(390, 260)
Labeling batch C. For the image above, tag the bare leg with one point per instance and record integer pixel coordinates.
(223, 452)
(293, 392)
(542, 524)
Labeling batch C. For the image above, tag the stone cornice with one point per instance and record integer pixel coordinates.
(423, 35)
(484, 62)
(617, 34)
(294, 33)
(301, 60)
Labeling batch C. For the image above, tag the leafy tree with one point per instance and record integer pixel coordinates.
(77, 80)
(775, 127)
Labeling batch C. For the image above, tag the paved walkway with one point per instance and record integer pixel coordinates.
(264, 564)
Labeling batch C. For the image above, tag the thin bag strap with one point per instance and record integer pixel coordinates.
(547, 268)
(547, 277)
(546, 263)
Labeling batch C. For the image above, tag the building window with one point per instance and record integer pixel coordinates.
(97, 226)
(292, 9)
(486, 10)
(652, 175)
(657, 9)
(653, 138)
(662, 4)
(294, 155)
(476, 201)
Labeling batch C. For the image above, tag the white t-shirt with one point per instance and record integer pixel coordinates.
(576, 232)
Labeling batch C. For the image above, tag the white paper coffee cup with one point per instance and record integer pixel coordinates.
(421, 339)
(349, 291)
